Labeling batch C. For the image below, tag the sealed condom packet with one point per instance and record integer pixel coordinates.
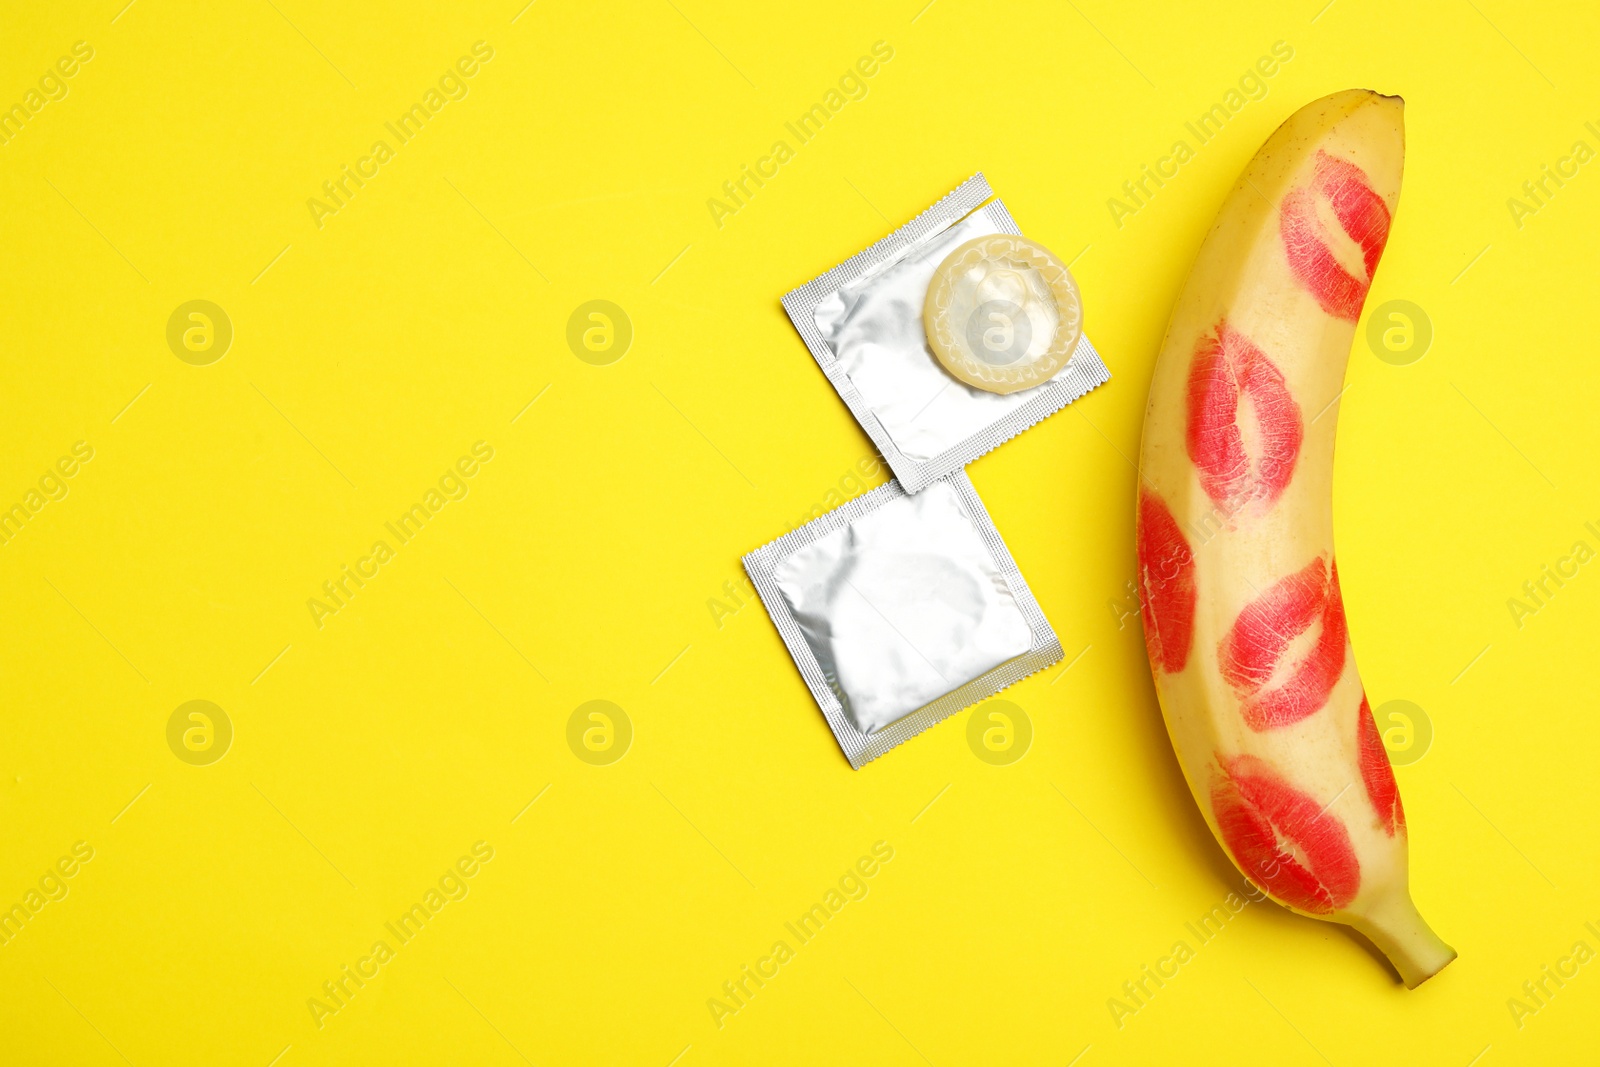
(901, 609)
(863, 322)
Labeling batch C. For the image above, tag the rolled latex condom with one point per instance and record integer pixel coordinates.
(1002, 313)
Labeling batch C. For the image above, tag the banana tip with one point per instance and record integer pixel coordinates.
(1438, 963)
(1399, 931)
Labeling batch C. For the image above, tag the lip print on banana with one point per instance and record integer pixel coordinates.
(1229, 369)
(1257, 658)
(1335, 267)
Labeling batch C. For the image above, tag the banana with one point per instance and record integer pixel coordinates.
(1239, 589)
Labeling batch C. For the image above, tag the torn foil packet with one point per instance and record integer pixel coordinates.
(863, 322)
(900, 610)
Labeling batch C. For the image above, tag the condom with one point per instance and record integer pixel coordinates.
(1002, 313)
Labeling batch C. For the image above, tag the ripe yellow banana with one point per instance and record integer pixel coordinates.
(1240, 594)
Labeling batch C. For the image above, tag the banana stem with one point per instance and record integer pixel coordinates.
(1401, 933)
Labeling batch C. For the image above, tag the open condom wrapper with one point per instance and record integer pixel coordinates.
(863, 323)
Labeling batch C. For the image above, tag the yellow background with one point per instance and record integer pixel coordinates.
(424, 716)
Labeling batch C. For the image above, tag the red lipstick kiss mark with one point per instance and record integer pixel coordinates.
(1253, 651)
(1227, 367)
(1166, 585)
(1377, 774)
(1364, 218)
(1282, 838)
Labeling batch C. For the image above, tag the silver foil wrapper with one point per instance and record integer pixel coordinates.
(900, 610)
